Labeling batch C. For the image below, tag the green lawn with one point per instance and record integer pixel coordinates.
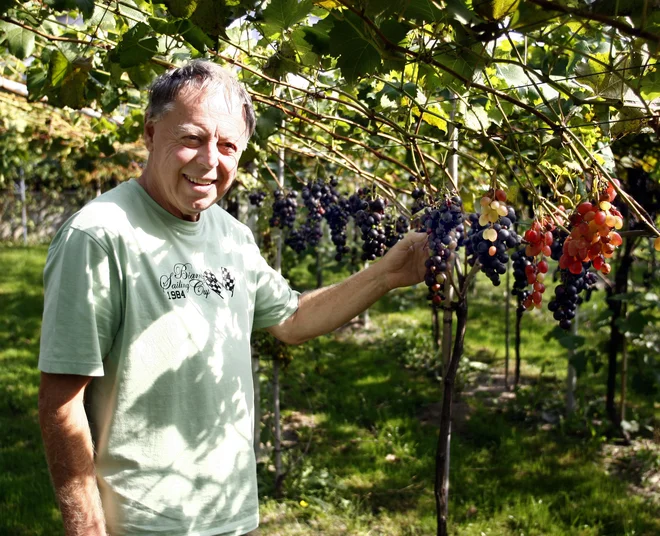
(359, 411)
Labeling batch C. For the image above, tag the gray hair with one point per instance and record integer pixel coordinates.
(200, 75)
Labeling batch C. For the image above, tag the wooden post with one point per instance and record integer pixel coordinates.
(24, 220)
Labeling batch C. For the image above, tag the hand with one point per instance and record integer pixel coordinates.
(404, 263)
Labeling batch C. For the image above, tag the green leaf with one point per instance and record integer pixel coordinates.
(142, 75)
(650, 85)
(356, 57)
(72, 91)
(394, 31)
(212, 17)
(191, 33)
(37, 81)
(19, 41)
(58, 68)
(495, 10)
(109, 100)
(181, 8)
(86, 7)
(268, 122)
(282, 14)
(318, 39)
(136, 46)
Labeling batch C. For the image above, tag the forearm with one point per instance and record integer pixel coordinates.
(323, 310)
(70, 456)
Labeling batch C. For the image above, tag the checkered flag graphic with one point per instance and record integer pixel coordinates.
(212, 281)
(228, 281)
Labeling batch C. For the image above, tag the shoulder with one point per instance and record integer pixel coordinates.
(229, 225)
(110, 211)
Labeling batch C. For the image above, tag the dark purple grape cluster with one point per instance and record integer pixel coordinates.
(285, 207)
(419, 200)
(368, 213)
(395, 229)
(445, 228)
(557, 246)
(337, 217)
(567, 294)
(489, 244)
(520, 281)
(256, 198)
(295, 239)
(311, 229)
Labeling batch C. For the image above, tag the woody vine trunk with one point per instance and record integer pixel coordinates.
(442, 453)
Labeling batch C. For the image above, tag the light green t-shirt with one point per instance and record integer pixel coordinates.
(160, 310)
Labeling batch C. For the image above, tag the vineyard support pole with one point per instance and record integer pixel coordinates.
(252, 219)
(23, 206)
(507, 325)
(571, 376)
(450, 361)
(277, 440)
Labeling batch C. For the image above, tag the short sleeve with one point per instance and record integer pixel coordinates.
(82, 305)
(275, 301)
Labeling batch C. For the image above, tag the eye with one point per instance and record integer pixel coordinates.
(191, 140)
(228, 146)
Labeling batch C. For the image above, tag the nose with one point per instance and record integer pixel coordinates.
(208, 156)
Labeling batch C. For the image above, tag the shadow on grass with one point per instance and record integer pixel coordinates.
(370, 408)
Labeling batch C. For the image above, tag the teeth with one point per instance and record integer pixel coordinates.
(195, 180)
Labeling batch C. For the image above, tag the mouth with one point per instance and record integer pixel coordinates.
(198, 181)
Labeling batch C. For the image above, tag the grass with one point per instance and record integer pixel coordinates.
(361, 450)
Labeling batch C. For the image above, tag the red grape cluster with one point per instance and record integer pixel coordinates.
(593, 237)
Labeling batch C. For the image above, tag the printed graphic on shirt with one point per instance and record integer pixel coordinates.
(226, 281)
(183, 281)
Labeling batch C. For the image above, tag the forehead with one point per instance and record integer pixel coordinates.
(209, 109)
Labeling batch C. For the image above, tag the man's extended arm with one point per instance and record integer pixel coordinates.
(70, 453)
(323, 310)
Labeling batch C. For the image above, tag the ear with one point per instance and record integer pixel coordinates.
(149, 134)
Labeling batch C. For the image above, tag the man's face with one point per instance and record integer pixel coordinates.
(193, 152)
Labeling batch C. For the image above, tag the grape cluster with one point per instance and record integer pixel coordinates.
(368, 213)
(311, 229)
(491, 235)
(593, 238)
(256, 198)
(337, 215)
(419, 200)
(285, 208)
(527, 271)
(395, 230)
(567, 295)
(445, 229)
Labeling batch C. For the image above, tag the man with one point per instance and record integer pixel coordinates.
(151, 293)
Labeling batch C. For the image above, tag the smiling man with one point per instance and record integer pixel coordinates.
(151, 294)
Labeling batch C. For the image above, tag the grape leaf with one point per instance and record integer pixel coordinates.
(86, 7)
(356, 57)
(19, 41)
(181, 8)
(135, 47)
(58, 68)
(282, 14)
(650, 85)
(393, 30)
(72, 92)
(318, 37)
(192, 34)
